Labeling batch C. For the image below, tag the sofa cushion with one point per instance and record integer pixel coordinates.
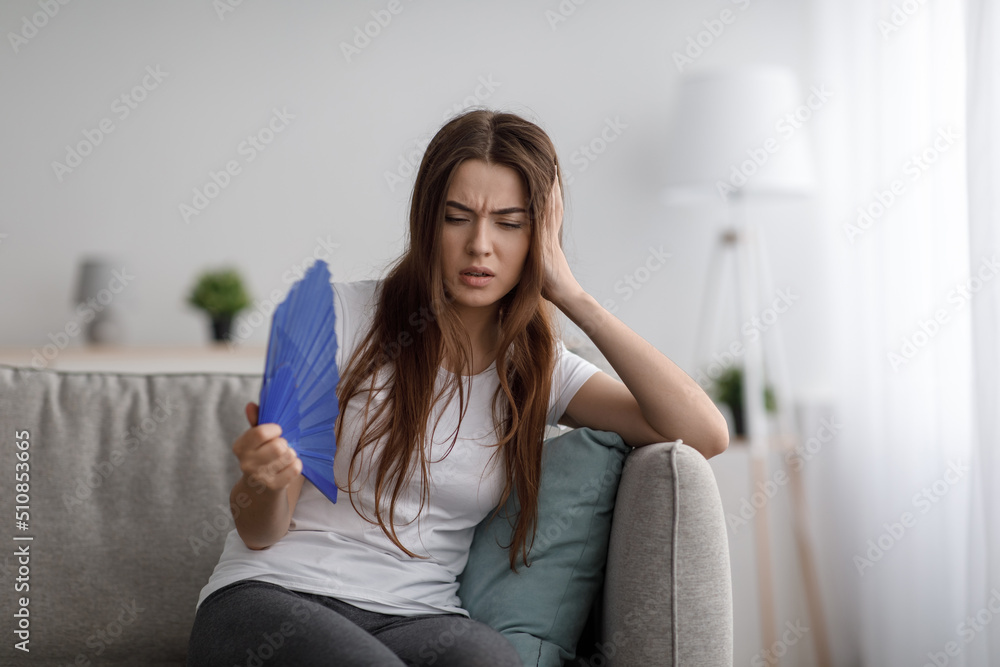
(542, 609)
(128, 494)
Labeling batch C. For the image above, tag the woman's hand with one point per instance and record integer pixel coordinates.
(268, 465)
(659, 402)
(266, 460)
(559, 281)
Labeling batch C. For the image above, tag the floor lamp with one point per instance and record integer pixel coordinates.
(728, 144)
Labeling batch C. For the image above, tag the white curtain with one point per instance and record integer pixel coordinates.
(983, 21)
(908, 160)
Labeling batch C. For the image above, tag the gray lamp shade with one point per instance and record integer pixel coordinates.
(745, 127)
(95, 274)
(98, 283)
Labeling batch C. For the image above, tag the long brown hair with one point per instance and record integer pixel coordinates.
(414, 284)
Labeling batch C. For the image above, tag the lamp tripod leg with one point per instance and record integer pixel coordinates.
(800, 521)
(765, 584)
(810, 581)
(757, 430)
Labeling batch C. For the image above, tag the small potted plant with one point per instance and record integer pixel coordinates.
(222, 296)
(728, 389)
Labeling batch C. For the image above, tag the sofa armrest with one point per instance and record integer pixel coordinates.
(668, 591)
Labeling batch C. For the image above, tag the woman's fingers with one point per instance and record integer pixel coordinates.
(253, 412)
(266, 459)
(274, 459)
(273, 464)
(253, 438)
(284, 476)
(555, 205)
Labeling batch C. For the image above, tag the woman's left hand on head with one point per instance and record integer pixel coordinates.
(559, 280)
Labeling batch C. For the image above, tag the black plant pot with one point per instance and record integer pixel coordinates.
(221, 327)
(738, 424)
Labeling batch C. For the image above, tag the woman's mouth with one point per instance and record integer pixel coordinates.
(476, 277)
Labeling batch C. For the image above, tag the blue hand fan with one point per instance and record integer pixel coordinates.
(299, 390)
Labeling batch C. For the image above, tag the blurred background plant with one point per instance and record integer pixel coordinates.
(222, 295)
(728, 389)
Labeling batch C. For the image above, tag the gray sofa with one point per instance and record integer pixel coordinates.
(128, 503)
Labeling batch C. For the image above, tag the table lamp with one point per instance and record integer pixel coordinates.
(97, 293)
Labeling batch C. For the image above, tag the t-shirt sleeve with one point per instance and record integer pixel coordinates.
(571, 372)
(354, 306)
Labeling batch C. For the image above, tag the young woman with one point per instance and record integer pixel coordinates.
(450, 372)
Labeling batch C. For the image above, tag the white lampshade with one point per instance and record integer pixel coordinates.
(747, 123)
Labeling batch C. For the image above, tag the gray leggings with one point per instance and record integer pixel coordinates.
(258, 624)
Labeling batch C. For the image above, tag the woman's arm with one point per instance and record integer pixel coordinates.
(263, 499)
(658, 401)
(262, 516)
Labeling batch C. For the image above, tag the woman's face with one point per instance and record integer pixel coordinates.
(486, 230)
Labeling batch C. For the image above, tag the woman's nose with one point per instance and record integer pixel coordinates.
(480, 242)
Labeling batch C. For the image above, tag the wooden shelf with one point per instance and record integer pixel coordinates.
(209, 358)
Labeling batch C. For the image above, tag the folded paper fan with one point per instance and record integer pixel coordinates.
(299, 389)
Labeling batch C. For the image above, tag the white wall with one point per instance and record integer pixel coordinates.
(324, 175)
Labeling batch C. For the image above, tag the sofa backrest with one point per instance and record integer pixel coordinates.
(128, 502)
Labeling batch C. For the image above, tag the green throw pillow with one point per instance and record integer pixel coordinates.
(542, 609)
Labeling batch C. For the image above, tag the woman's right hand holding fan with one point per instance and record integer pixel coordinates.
(263, 499)
(266, 460)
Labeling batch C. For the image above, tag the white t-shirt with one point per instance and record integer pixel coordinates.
(331, 550)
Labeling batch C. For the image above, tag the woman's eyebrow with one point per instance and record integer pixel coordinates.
(502, 211)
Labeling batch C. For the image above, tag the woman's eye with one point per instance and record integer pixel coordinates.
(511, 225)
(449, 219)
